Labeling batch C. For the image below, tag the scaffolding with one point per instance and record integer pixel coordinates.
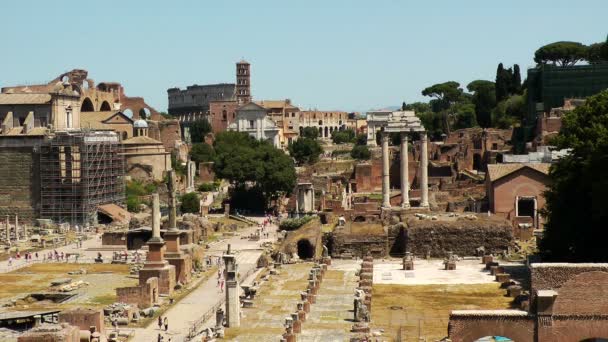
(79, 171)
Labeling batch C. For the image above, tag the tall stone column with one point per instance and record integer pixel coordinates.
(172, 201)
(233, 303)
(424, 176)
(405, 181)
(8, 230)
(386, 189)
(155, 218)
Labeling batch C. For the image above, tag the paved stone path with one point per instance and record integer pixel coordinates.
(207, 294)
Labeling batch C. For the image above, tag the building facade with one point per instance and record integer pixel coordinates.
(325, 121)
(252, 119)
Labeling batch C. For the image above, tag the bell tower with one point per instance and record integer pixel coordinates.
(243, 90)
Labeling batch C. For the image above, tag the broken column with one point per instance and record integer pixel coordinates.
(296, 323)
(408, 262)
(181, 261)
(233, 303)
(156, 265)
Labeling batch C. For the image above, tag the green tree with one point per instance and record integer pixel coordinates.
(305, 150)
(361, 139)
(516, 81)
(199, 129)
(503, 83)
(594, 53)
(190, 203)
(576, 202)
(253, 165)
(484, 99)
(201, 152)
(360, 152)
(445, 95)
(342, 137)
(310, 132)
(418, 107)
(561, 53)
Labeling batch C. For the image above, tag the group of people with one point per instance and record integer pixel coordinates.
(27, 256)
(163, 323)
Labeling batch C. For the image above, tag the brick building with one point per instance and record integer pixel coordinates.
(515, 191)
(568, 302)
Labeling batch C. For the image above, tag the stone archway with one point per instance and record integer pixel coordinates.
(105, 107)
(306, 250)
(87, 105)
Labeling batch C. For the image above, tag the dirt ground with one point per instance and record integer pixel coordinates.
(103, 280)
(425, 309)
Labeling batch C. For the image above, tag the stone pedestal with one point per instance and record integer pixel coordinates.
(450, 265)
(408, 265)
(157, 266)
(181, 261)
(233, 303)
(503, 277)
(296, 323)
(486, 259)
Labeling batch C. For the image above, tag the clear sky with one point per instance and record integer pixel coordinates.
(350, 55)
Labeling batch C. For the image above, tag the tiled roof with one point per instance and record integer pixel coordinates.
(497, 171)
(274, 104)
(24, 98)
(95, 120)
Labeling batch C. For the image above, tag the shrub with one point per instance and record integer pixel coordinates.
(190, 203)
(294, 223)
(360, 152)
(207, 187)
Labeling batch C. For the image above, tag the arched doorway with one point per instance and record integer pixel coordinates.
(105, 107)
(326, 132)
(400, 245)
(87, 105)
(305, 249)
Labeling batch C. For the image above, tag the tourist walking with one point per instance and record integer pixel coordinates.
(160, 323)
(166, 321)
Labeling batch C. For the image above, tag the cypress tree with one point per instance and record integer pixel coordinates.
(516, 80)
(502, 85)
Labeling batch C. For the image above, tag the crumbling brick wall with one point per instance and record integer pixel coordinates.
(83, 318)
(461, 236)
(467, 328)
(143, 296)
(19, 182)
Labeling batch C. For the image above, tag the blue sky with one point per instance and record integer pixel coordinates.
(349, 55)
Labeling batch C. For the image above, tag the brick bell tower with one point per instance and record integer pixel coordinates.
(243, 90)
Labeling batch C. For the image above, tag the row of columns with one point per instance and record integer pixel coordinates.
(424, 182)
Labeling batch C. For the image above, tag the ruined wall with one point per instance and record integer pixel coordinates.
(83, 318)
(470, 327)
(205, 172)
(51, 333)
(166, 131)
(19, 179)
(581, 288)
(222, 114)
(143, 296)
(461, 236)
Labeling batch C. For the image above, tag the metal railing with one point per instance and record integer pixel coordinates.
(195, 327)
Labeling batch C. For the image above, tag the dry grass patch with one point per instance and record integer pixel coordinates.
(429, 306)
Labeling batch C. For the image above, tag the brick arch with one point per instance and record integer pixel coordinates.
(87, 105)
(472, 328)
(105, 107)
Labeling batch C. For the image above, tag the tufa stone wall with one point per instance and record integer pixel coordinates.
(461, 236)
(83, 319)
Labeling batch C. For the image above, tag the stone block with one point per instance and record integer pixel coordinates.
(503, 277)
(486, 259)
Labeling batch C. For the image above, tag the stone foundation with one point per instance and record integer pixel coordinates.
(165, 275)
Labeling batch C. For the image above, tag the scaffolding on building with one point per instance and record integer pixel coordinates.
(79, 171)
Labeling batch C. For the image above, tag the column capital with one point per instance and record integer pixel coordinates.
(404, 136)
(423, 136)
(384, 136)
